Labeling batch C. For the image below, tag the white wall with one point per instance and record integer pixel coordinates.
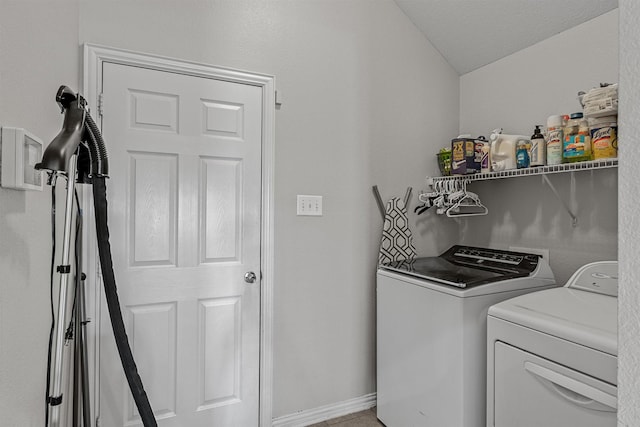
(629, 289)
(38, 52)
(367, 100)
(518, 92)
(365, 97)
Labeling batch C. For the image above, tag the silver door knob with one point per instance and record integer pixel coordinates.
(250, 277)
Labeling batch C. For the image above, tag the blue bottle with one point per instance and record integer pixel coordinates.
(522, 154)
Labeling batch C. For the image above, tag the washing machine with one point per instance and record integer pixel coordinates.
(552, 355)
(431, 332)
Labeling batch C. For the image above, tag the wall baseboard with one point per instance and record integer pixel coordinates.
(327, 412)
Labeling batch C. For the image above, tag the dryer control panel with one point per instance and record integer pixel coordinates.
(599, 277)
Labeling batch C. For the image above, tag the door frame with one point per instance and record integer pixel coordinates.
(94, 58)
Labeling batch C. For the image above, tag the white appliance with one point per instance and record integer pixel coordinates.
(552, 355)
(431, 332)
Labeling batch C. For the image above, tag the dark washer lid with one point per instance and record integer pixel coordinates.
(466, 266)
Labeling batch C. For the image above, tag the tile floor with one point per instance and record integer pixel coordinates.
(359, 419)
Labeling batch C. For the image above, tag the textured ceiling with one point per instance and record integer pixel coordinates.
(473, 33)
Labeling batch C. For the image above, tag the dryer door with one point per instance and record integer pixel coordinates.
(531, 392)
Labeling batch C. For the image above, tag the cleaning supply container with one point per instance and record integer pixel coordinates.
(485, 165)
(523, 158)
(503, 150)
(463, 156)
(554, 140)
(604, 138)
(481, 148)
(538, 148)
(576, 146)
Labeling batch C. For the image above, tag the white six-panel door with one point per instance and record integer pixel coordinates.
(184, 214)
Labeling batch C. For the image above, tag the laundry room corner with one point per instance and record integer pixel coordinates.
(511, 94)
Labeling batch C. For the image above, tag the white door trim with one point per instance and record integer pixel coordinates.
(94, 57)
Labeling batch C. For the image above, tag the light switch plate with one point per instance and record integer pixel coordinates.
(309, 205)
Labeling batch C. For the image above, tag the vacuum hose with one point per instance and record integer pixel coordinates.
(99, 171)
(111, 294)
(99, 163)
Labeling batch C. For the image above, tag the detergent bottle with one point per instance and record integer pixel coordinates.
(503, 150)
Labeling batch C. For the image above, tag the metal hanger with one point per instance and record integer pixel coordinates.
(467, 204)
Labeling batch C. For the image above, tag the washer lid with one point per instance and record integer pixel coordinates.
(467, 266)
(586, 318)
(441, 270)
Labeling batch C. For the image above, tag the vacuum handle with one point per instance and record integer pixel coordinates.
(65, 96)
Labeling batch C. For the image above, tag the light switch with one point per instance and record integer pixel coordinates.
(309, 205)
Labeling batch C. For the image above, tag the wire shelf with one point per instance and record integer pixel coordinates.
(539, 170)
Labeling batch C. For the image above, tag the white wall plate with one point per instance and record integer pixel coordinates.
(21, 150)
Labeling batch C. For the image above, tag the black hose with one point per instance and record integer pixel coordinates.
(94, 155)
(102, 160)
(111, 294)
(100, 170)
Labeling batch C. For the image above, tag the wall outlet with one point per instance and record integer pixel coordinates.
(309, 205)
(542, 252)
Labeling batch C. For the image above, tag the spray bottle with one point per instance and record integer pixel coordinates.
(554, 140)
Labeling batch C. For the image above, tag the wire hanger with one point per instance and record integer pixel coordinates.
(467, 204)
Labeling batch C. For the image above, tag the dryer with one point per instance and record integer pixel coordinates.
(431, 332)
(552, 355)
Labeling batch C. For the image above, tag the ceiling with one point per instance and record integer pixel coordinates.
(473, 33)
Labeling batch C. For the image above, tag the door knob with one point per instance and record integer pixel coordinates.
(250, 277)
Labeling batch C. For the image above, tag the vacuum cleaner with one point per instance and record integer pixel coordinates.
(78, 153)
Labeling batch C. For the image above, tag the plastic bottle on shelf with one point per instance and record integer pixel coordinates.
(576, 146)
(485, 166)
(503, 150)
(538, 148)
(554, 140)
(583, 130)
(522, 153)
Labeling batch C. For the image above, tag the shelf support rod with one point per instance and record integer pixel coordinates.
(574, 218)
